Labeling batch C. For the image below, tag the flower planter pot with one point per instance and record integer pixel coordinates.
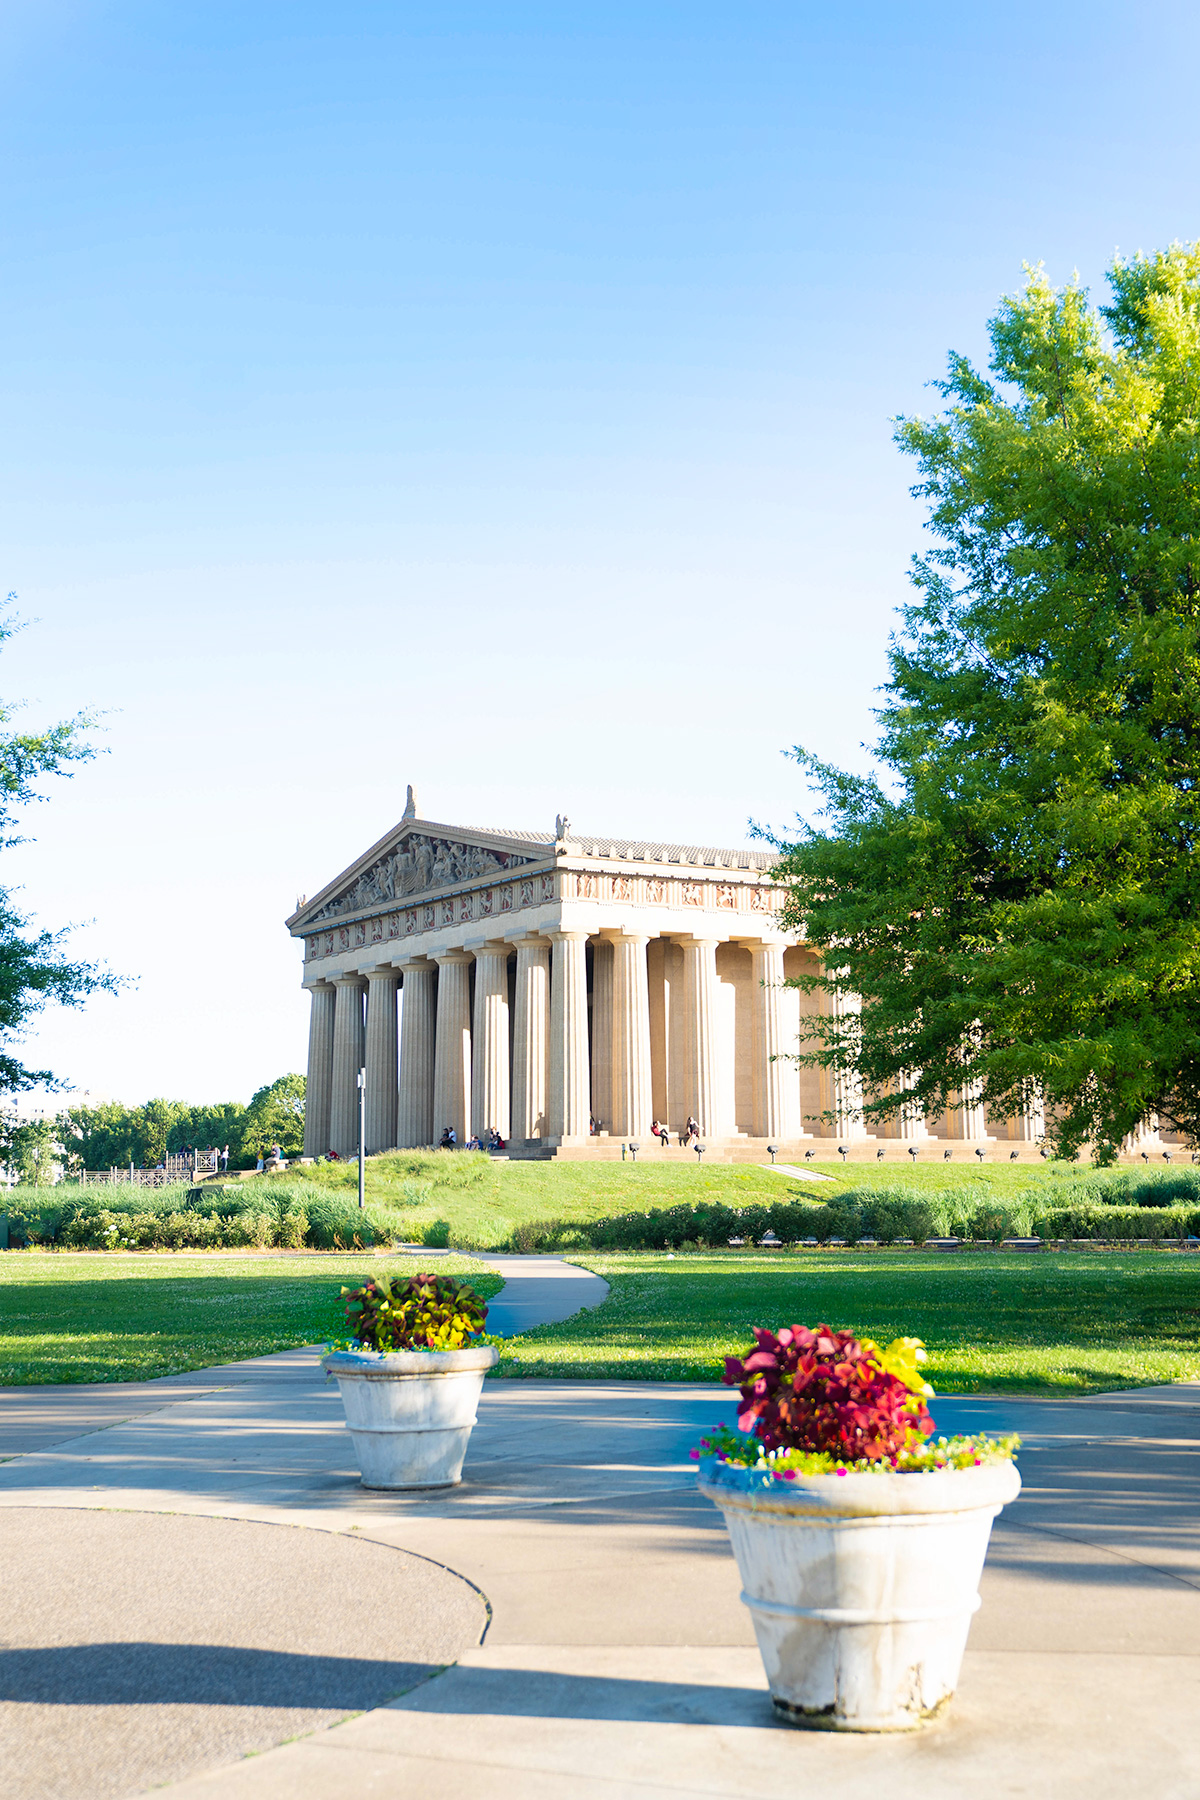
(861, 1586)
(410, 1412)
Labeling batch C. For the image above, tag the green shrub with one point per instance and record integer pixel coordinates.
(1119, 1222)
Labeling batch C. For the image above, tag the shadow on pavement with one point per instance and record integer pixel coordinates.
(150, 1674)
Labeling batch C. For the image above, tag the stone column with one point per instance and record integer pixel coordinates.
(842, 1088)
(570, 1087)
(531, 1040)
(452, 1054)
(910, 1122)
(347, 1060)
(700, 1025)
(319, 1085)
(966, 1118)
(632, 1098)
(1029, 1126)
(414, 1125)
(489, 1058)
(381, 1059)
(602, 1033)
(776, 1090)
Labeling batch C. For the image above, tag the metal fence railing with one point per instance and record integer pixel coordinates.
(191, 1167)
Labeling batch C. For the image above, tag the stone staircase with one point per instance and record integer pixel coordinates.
(724, 1151)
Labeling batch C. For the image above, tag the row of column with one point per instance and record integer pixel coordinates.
(455, 1070)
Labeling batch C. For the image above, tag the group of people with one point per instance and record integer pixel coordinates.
(490, 1141)
(690, 1133)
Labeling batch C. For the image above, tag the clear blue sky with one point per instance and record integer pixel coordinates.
(494, 397)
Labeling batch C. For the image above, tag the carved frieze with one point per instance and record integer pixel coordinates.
(414, 867)
(485, 902)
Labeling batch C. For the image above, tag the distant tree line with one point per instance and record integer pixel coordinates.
(114, 1135)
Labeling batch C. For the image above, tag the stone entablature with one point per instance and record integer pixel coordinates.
(477, 905)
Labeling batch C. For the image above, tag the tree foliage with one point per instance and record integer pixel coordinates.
(33, 967)
(113, 1135)
(276, 1116)
(1016, 896)
(28, 1149)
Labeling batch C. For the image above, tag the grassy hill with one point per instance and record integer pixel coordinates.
(473, 1202)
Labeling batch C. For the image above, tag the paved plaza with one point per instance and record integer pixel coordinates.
(196, 1591)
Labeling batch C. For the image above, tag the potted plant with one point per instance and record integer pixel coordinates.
(859, 1535)
(410, 1377)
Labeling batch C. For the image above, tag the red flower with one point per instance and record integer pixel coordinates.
(820, 1390)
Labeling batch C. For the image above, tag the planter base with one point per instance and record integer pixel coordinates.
(826, 1718)
(410, 1413)
(394, 1461)
(861, 1587)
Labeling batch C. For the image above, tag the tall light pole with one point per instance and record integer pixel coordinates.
(362, 1137)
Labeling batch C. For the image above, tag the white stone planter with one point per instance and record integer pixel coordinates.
(861, 1587)
(410, 1412)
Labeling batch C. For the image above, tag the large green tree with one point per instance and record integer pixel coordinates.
(33, 966)
(276, 1116)
(1016, 893)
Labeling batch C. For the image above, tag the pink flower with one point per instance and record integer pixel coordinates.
(839, 1471)
(695, 1455)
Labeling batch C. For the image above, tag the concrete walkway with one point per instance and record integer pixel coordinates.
(618, 1660)
(539, 1290)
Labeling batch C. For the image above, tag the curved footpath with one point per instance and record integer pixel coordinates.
(158, 1624)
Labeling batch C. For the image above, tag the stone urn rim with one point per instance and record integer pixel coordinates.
(859, 1494)
(382, 1365)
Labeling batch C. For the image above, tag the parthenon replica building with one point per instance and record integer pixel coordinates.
(566, 990)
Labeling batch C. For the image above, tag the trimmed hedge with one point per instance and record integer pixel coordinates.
(1120, 1222)
(883, 1215)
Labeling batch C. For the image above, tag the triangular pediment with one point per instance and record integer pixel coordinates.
(420, 857)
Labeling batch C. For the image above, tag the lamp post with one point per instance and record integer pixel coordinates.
(633, 1150)
(699, 1149)
(771, 1152)
(842, 1151)
(913, 1152)
(362, 1137)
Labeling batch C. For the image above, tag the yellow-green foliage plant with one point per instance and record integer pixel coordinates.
(426, 1312)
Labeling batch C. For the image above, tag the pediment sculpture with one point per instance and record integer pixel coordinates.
(415, 866)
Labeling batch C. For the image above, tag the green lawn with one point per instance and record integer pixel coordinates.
(96, 1316)
(993, 1322)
